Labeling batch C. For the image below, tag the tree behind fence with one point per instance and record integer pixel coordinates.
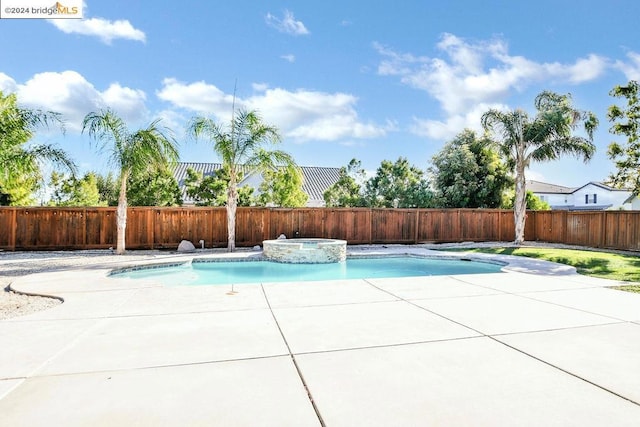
(43, 228)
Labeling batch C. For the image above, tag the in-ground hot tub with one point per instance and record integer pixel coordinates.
(305, 251)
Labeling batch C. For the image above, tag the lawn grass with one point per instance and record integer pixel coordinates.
(599, 264)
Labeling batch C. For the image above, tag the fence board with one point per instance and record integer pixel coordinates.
(479, 225)
(254, 223)
(282, 221)
(439, 225)
(396, 226)
(506, 225)
(352, 225)
(7, 228)
(584, 229)
(100, 228)
(40, 228)
(549, 226)
(622, 230)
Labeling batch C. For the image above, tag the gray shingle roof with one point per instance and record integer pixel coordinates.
(316, 179)
(543, 187)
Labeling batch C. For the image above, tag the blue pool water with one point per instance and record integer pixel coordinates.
(218, 273)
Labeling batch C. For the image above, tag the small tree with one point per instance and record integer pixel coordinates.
(546, 137)
(398, 185)
(71, 191)
(211, 190)
(131, 153)
(626, 122)
(347, 191)
(468, 173)
(107, 189)
(534, 203)
(154, 187)
(283, 187)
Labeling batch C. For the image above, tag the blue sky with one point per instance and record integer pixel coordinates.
(340, 79)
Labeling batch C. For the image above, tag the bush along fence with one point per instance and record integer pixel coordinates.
(48, 228)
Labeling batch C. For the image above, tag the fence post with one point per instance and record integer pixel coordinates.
(84, 228)
(370, 224)
(14, 226)
(603, 229)
(150, 219)
(415, 238)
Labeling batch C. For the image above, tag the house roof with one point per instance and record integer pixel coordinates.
(601, 185)
(543, 187)
(316, 179)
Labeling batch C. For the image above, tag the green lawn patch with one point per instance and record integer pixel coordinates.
(590, 263)
(628, 288)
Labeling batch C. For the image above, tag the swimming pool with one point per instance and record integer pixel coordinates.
(206, 272)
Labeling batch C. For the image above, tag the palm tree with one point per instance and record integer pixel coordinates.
(20, 165)
(545, 137)
(239, 145)
(131, 153)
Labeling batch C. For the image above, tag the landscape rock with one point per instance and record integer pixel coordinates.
(186, 246)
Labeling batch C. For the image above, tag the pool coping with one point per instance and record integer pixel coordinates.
(510, 263)
(261, 258)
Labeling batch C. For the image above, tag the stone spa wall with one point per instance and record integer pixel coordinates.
(305, 251)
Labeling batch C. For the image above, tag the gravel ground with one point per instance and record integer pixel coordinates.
(14, 264)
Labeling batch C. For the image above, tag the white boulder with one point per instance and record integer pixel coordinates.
(186, 246)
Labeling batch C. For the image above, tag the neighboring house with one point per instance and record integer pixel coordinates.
(634, 201)
(315, 183)
(591, 196)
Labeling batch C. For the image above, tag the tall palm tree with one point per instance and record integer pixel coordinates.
(545, 137)
(130, 152)
(20, 164)
(240, 144)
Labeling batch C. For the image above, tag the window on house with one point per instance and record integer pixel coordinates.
(590, 198)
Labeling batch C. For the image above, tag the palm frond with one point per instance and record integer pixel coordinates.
(108, 131)
(54, 155)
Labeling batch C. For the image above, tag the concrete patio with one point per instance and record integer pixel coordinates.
(534, 345)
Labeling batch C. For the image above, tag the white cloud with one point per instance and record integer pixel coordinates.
(631, 69)
(126, 101)
(301, 115)
(70, 94)
(7, 84)
(260, 87)
(289, 57)
(311, 115)
(586, 69)
(201, 97)
(453, 124)
(471, 75)
(105, 30)
(287, 24)
(173, 120)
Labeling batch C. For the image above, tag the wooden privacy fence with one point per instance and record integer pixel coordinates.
(41, 228)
